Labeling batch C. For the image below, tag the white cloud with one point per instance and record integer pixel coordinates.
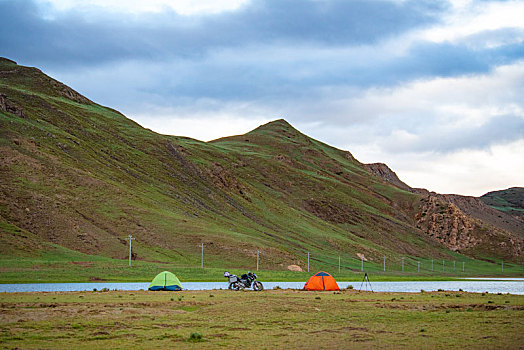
(470, 17)
(450, 102)
(205, 123)
(467, 172)
(202, 128)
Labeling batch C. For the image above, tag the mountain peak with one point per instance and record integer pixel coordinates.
(279, 122)
(279, 126)
(275, 125)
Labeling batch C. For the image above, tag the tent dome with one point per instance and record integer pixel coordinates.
(321, 281)
(165, 280)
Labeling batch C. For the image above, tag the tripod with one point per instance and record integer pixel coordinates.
(366, 281)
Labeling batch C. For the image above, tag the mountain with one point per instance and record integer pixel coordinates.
(79, 176)
(509, 201)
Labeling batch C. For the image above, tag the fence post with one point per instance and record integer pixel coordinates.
(339, 264)
(202, 257)
(402, 264)
(257, 259)
(384, 264)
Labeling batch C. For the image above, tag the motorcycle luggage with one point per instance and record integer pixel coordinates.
(233, 279)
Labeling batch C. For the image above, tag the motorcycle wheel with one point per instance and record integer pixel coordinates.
(258, 286)
(234, 286)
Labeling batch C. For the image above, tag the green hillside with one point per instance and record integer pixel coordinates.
(77, 178)
(509, 201)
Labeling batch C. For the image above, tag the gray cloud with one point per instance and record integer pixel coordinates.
(280, 76)
(278, 49)
(434, 138)
(77, 38)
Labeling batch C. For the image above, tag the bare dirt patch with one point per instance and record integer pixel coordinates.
(294, 268)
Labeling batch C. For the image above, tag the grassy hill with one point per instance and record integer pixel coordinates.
(77, 178)
(509, 201)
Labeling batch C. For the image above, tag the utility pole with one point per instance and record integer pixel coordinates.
(129, 238)
(202, 257)
(362, 266)
(257, 258)
(384, 264)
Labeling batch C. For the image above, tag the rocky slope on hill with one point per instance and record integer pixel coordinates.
(81, 176)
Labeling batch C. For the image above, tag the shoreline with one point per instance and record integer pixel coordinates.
(375, 279)
(515, 287)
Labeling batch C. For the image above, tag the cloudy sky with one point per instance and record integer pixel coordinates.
(434, 89)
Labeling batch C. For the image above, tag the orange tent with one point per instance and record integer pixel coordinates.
(321, 281)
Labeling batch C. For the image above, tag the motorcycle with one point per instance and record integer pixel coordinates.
(247, 280)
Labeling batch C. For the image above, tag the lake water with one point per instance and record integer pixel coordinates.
(513, 286)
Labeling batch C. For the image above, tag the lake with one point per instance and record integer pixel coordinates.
(513, 286)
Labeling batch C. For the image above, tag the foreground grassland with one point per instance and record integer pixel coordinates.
(269, 319)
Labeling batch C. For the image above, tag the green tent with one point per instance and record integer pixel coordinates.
(165, 281)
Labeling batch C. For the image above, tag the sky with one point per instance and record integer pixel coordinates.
(434, 89)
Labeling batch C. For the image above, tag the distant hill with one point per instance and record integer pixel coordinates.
(80, 176)
(510, 201)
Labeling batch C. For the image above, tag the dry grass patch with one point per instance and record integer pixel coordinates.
(271, 319)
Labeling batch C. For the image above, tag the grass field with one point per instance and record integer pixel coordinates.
(263, 320)
(79, 267)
